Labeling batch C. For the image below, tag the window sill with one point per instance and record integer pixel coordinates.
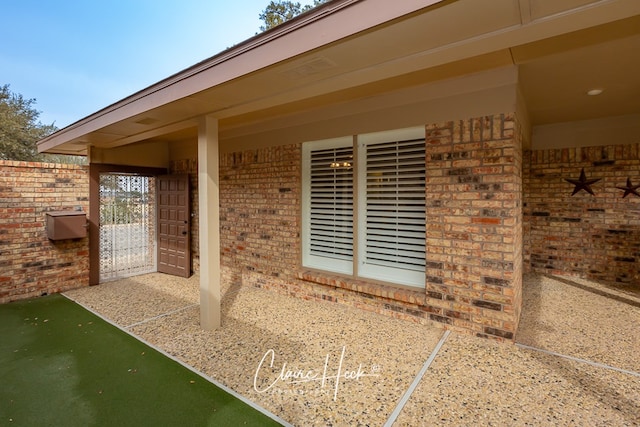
(367, 288)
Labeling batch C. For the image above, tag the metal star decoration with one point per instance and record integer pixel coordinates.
(583, 183)
(630, 189)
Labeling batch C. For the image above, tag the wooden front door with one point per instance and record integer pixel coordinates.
(174, 220)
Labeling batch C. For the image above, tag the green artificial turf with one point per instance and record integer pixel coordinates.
(61, 365)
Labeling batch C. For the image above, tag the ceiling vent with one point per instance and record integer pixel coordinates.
(309, 68)
(147, 121)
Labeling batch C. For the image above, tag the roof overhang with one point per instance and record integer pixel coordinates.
(348, 50)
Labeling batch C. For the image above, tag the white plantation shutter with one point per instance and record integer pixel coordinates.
(390, 211)
(392, 206)
(328, 205)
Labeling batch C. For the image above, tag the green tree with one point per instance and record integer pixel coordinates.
(20, 130)
(19, 127)
(280, 11)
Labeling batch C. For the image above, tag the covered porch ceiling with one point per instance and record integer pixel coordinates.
(350, 50)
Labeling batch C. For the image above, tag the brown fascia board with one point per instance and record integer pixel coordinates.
(328, 23)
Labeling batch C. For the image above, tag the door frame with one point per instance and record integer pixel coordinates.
(95, 170)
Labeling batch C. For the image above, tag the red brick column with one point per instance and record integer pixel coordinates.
(474, 225)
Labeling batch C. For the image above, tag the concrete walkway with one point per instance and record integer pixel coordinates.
(319, 363)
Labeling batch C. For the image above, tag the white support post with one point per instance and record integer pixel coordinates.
(209, 212)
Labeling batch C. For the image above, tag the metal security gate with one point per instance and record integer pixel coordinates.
(127, 225)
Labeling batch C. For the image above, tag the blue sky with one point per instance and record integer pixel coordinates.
(76, 57)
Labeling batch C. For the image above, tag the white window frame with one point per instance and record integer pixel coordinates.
(371, 270)
(308, 259)
(357, 267)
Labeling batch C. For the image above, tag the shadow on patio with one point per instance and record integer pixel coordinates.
(266, 336)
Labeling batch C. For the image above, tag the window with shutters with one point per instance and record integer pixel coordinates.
(364, 206)
(328, 205)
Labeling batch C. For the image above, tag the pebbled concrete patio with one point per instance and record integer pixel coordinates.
(319, 363)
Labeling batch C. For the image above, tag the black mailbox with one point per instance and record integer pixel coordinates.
(62, 225)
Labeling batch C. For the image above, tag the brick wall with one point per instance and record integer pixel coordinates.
(30, 263)
(594, 236)
(260, 212)
(474, 256)
(474, 228)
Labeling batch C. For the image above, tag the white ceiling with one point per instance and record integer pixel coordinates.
(563, 48)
